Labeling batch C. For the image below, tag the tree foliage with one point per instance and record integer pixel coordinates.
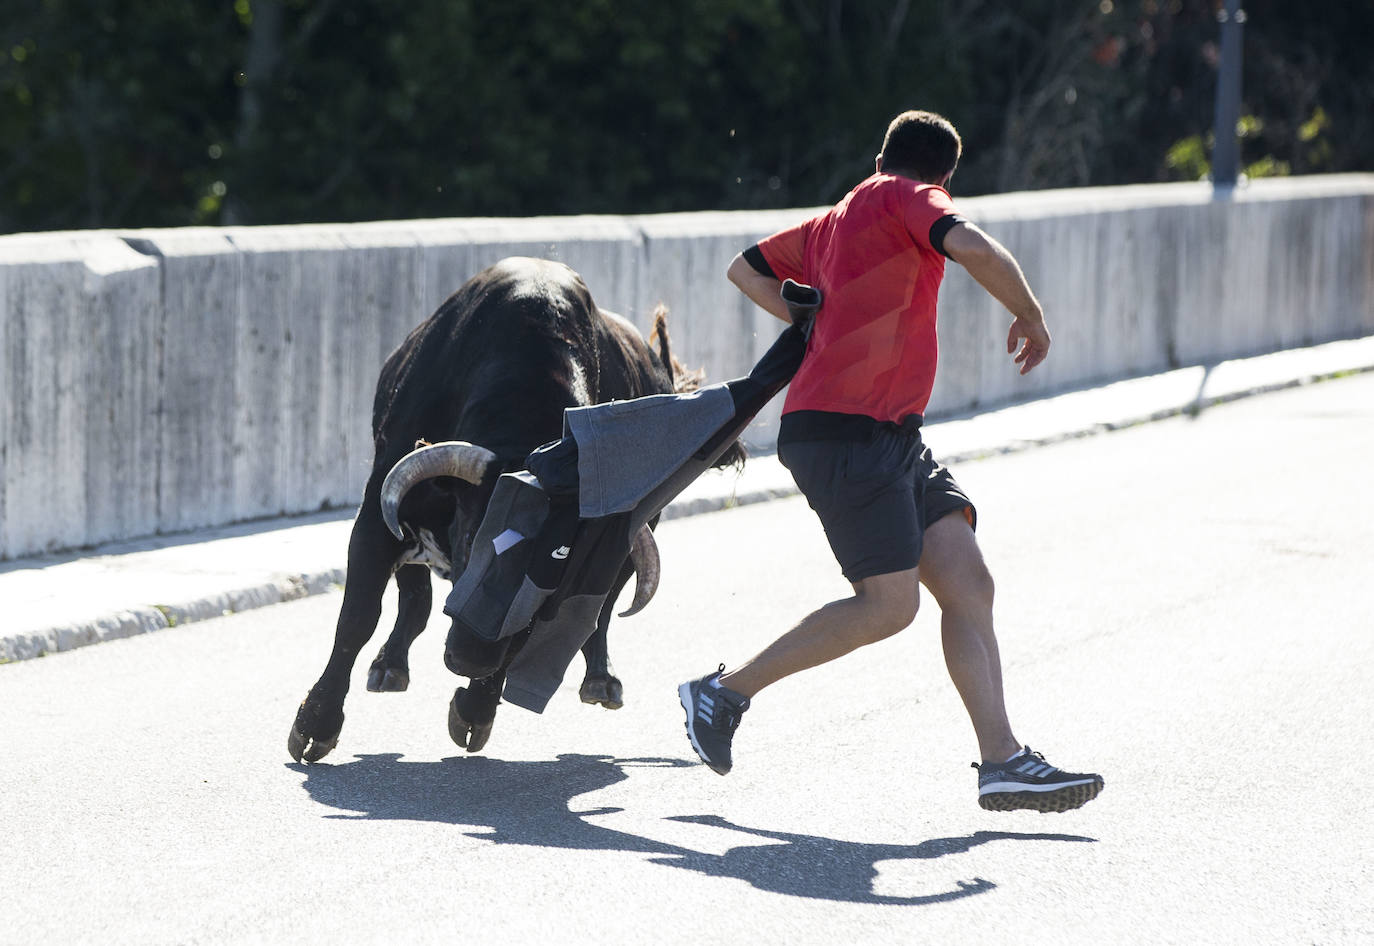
(177, 112)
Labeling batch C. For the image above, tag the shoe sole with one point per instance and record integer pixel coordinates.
(1056, 800)
(684, 696)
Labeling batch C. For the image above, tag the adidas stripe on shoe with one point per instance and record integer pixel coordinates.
(713, 714)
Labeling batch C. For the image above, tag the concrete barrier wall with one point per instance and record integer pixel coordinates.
(157, 381)
(1136, 280)
(79, 394)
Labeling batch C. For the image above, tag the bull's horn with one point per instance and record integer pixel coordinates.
(644, 555)
(452, 458)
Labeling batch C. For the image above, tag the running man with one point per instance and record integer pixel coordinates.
(851, 437)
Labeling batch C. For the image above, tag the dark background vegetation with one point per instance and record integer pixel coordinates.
(183, 112)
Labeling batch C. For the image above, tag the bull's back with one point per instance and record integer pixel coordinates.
(630, 368)
(501, 358)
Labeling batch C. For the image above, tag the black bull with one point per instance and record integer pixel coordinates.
(487, 378)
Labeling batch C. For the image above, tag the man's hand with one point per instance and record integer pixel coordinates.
(1035, 343)
(996, 270)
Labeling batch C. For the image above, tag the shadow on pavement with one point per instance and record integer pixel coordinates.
(529, 803)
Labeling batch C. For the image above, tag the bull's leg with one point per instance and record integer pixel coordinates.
(600, 684)
(473, 711)
(372, 551)
(390, 672)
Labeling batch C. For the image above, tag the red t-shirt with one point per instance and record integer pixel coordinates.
(873, 347)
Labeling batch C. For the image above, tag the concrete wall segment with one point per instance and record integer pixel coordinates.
(197, 331)
(601, 248)
(1189, 276)
(121, 423)
(7, 403)
(1361, 278)
(77, 425)
(166, 380)
(289, 302)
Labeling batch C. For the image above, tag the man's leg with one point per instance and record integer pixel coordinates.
(881, 606)
(952, 568)
(873, 527)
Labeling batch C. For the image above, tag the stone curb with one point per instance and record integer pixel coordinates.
(145, 619)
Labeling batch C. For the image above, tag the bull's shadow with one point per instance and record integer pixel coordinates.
(530, 803)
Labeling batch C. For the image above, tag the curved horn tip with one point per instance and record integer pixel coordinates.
(644, 555)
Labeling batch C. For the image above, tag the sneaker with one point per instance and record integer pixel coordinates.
(713, 714)
(1028, 781)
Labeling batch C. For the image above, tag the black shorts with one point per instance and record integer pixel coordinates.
(875, 496)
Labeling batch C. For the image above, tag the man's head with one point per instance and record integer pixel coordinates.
(922, 145)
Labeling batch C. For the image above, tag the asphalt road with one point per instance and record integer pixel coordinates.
(1183, 606)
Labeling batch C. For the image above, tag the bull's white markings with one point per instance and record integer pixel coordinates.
(426, 551)
(581, 393)
(561, 552)
(505, 540)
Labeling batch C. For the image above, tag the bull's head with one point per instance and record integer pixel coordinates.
(439, 525)
(464, 461)
(475, 465)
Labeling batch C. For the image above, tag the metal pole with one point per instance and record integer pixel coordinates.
(1226, 151)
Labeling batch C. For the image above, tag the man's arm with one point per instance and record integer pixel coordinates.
(764, 291)
(996, 270)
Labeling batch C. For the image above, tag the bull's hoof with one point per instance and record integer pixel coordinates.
(606, 690)
(387, 679)
(468, 726)
(311, 748)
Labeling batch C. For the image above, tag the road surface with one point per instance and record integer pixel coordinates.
(1183, 606)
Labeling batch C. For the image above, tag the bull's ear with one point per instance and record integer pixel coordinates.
(659, 335)
(658, 339)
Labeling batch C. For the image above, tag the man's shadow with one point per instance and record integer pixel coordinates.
(530, 803)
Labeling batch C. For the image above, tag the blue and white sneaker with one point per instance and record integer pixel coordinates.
(1029, 782)
(713, 714)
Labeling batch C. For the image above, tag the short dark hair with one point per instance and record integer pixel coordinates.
(923, 144)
